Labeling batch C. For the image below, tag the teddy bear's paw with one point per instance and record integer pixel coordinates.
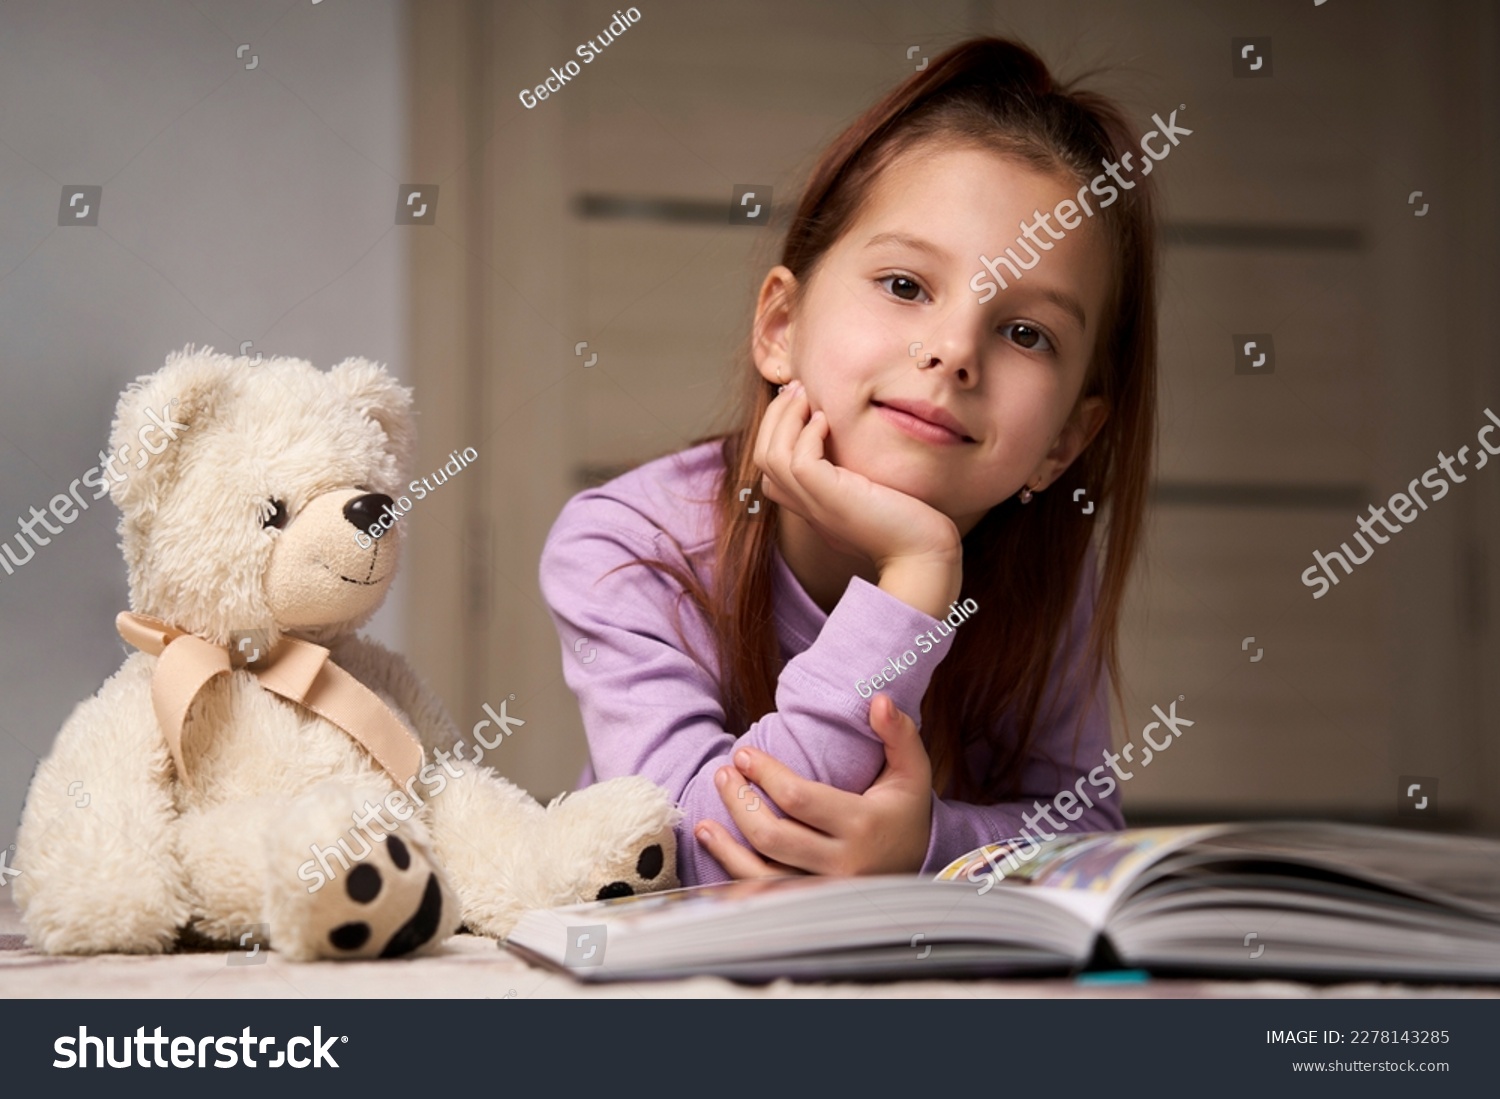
(392, 902)
(617, 839)
(652, 867)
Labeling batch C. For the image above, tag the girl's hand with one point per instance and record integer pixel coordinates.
(827, 830)
(898, 532)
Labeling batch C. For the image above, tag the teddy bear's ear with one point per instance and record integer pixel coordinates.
(379, 396)
(153, 414)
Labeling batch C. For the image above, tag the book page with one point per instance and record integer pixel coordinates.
(1453, 870)
(1089, 871)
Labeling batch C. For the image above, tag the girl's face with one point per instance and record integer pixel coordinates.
(889, 338)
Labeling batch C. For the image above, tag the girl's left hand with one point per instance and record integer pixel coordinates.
(827, 830)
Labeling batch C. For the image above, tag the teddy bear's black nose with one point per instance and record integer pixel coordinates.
(364, 510)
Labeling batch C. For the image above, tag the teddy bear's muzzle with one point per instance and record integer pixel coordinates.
(326, 568)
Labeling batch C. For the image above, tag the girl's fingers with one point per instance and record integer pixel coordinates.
(784, 432)
(809, 441)
(799, 463)
(775, 411)
(819, 480)
(737, 860)
(904, 751)
(779, 429)
(796, 473)
(815, 804)
(785, 841)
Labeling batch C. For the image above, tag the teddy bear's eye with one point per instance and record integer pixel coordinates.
(278, 516)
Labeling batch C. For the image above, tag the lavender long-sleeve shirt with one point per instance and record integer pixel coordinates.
(650, 709)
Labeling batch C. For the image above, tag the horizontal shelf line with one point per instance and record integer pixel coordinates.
(670, 210)
(1219, 494)
(1182, 234)
(1461, 819)
(1215, 234)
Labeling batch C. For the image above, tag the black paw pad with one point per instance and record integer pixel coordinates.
(650, 862)
(614, 889)
(363, 884)
(351, 936)
(399, 854)
(422, 926)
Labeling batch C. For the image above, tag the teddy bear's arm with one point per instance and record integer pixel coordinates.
(99, 868)
(486, 831)
(503, 852)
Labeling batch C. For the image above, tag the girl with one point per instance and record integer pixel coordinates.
(864, 631)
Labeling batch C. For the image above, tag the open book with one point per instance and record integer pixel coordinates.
(1322, 901)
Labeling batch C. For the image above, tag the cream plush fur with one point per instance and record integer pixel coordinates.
(155, 854)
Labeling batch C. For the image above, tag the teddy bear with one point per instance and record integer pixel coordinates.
(256, 770)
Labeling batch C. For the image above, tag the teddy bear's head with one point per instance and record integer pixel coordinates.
(245, 490)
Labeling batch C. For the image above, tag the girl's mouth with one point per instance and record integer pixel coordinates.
(908, 420)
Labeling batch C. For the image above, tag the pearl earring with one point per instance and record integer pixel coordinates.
(1026, 494)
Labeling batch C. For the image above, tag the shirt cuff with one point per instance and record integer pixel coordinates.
(848, 654)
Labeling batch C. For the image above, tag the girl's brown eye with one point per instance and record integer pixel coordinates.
(904, 288)
(1027, 337)
(278, 516)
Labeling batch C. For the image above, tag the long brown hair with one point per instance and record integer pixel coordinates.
(1023, 565)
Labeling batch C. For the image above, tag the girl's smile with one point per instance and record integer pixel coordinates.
(925, 421)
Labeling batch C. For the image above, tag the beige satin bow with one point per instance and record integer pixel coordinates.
(297, 670)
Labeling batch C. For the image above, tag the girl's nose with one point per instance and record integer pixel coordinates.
(960, 373)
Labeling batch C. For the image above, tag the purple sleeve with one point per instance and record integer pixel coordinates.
(1055, 765)
(650, 709)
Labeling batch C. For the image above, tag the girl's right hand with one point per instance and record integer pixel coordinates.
(917, 548)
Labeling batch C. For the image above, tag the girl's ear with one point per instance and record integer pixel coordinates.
(1085, 423)
(770, 337)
